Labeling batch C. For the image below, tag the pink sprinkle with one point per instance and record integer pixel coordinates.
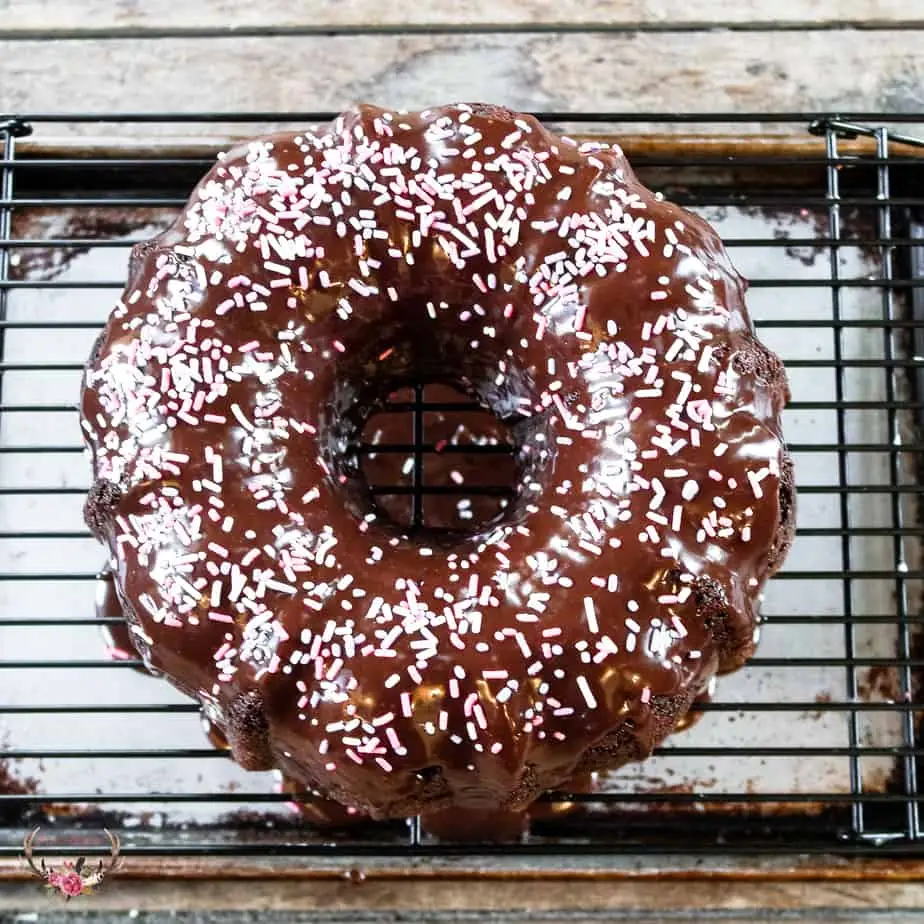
(700, 410)
(395, 741)
(406, 707)
(470, 701)
(480, 717)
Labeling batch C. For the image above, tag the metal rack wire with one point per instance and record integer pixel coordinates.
(852, 342)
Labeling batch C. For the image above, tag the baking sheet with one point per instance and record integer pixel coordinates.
(729, 773)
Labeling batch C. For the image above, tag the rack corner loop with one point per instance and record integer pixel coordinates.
(15, 127)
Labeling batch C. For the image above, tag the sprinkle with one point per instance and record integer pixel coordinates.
(406, 707)
(755, 478)
(219, 617)
(591, 614)
(241, 419)
(586, 692)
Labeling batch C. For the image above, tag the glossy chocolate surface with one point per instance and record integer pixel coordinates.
(311, 275)
(117, 635)
(451, 824)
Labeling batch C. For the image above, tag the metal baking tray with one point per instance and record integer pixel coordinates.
(810, 749)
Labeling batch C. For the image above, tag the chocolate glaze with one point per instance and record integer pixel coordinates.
(453, 823)
(118, 635)
(695, 715)
(311, 275)
(450, 824)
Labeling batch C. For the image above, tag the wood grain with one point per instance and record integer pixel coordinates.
(614, 870)
(134, 17)
(418, 901)
(708, 71)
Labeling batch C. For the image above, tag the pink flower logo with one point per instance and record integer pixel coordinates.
(71, 884)
(72, 879)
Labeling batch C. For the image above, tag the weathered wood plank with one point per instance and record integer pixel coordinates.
(708, 71)
(135, 17)
(422, 901)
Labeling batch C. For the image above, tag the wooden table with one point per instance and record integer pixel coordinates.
(629, 55)
(625, 55)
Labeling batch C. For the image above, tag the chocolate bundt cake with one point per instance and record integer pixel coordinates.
(401, 670)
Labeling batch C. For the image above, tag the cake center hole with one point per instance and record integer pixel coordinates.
(434, 459)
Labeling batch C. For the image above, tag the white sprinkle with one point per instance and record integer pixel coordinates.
(657, 495)
(591, 614)
(586, 692)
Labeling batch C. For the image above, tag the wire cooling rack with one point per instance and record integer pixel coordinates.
(810, 749)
